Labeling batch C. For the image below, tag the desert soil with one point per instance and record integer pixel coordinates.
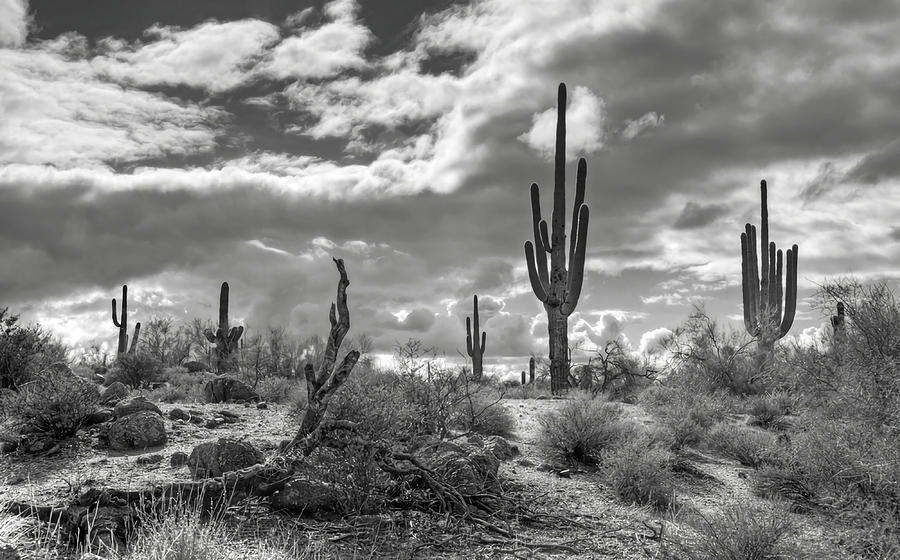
(578, 517)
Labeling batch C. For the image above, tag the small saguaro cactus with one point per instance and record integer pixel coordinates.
(225, 338)
(523, 377)
(531, 370)
(766, 318)
(122, 325)
(473, 348)
(558, 288)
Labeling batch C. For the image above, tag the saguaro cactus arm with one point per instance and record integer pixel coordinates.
(562, 288)
(769, 302)
(121, 322)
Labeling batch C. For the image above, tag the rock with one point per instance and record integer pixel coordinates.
(149, 459)
(178, 459)
(179, 414)
(525, 463)
(227, 416)
(301, 495)
(262, 405)
(136, 404)
(213, 458)
(228, 389)
(114, 393)
(98, 417)
(8, 446)
(139, 430)
(213, 423)
(194, 367)
(500, 447)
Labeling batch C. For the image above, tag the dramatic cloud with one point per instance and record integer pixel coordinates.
(583, 136)
(13, 23)
(255, 146)
(212, 56)
(324, 51)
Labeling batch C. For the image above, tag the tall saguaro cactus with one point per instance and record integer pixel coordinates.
(766, 318)
(225, 338)
(122, 325)
(558, 288)
(473, 348)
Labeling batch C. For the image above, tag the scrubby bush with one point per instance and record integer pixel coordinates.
(55, 402)
(483, 413)
(639, 472)
(767, 413)
(741, 532)
(24, 350)
(137, 370)
(683, 417)
(583, 430)
(750, 447)
(280, 389)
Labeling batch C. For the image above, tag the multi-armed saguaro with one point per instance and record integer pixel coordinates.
(765, 318)
(475, 350)
(225, 338)
(558, 288)
(123, 325)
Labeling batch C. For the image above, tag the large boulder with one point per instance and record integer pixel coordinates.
(304, 496)
(114, 393)
(228, 389)
(139, 430)
(136, 404)
(213, 458)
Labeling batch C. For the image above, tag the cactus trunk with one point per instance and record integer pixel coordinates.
(531, 370)
(122, 324)
(766, 317)
(559, 287)
(225, 338)
(473, 348)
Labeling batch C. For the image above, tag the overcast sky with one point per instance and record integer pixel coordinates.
(173, 145)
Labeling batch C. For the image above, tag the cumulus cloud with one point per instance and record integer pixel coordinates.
(13, 23)
(215, 56)
(56, 112)
(322, 52)
(585, 116)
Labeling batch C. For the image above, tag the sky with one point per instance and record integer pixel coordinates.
(175, 145)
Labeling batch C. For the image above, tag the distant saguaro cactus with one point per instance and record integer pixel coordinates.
(765, 317)
(838, 326)
(123, 325)
(558, 288)
(225, 338)
(531, 370)
(473, 348)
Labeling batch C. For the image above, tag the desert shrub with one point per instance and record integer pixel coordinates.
(767, 413)
(708, 358)
(185, 534)
(684, 418)
(583, 430)
(741, 532)
(750, 447)
(787, 484)
(483, 413)
(137, 370)
(55, 402)
(639, 472)
(24, 350)
(280, 389)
